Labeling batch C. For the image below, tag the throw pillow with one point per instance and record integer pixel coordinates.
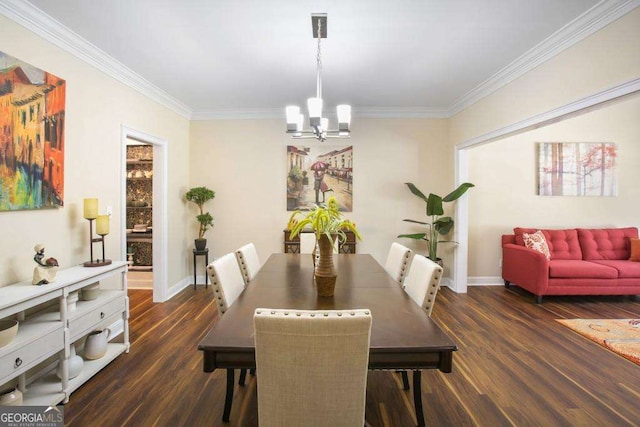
(537, 242)
(635, 249)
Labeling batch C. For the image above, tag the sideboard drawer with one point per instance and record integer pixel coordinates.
(30, 354)
(87, 322)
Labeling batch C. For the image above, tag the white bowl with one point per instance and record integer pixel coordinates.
(90, 294)
(8, 331)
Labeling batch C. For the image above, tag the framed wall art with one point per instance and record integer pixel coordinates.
(32, 120)
(316, 173)
(577, 169)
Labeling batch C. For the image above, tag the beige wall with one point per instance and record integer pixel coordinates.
(504, 171)
(97, 106)
(244, 161)
(605, 59)
(505, 175)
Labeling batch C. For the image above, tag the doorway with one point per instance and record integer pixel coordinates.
(146, 248)
(139, 214)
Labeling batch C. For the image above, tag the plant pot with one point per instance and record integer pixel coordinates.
(325, 273)
(438, 261)
(201, 244)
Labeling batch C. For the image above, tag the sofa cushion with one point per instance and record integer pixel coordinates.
(635, 249)
(537, 242)
(575, 269)
(606, 243)
(626, 269)
(563, 244)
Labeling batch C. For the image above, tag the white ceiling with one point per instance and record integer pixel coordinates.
(227, 58)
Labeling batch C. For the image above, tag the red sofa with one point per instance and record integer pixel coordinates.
(583, 262)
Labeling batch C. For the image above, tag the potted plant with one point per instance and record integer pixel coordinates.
(327, 224)
(199, 196)
(439, 225)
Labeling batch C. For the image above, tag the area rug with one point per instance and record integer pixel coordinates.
(621, 336)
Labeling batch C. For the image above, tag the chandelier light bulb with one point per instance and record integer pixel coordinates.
(315, 111)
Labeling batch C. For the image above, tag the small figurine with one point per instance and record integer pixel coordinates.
(46, 270)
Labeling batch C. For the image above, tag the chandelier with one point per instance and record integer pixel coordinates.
(319, 125)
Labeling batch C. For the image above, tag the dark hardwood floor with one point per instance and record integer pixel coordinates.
(515, 366)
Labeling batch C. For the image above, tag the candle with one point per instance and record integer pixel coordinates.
(90, 208)
(102, 225)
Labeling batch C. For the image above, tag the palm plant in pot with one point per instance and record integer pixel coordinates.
(327, 224)
(199, 196)
(439, 225)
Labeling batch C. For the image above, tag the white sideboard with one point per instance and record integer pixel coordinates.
(44, 333)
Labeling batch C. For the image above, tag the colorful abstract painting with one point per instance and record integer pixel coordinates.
(576, 169)
(316, 173)
(32, 109)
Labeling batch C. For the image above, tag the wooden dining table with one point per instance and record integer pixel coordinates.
(402, 335)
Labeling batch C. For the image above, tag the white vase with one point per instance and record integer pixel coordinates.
(96, 344)
(74, 363)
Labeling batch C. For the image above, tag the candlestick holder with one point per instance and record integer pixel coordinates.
(92, 240)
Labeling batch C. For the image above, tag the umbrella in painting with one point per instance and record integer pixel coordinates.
(319, 166)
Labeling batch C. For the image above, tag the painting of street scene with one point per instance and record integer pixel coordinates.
(317, 173)
(576, 169)
(32, 110)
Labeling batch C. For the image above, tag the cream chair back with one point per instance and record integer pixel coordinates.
(312, 367)
(423, 281)
(248, 261)
(397, 262)
(226, 280)
(307, 243)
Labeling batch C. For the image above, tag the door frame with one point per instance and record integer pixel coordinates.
(159, 215)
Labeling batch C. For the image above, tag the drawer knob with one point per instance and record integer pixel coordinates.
(17, 363)
(102, 315)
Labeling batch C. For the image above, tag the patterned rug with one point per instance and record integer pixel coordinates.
(621, 336)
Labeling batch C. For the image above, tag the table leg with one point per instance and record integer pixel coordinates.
(228, 399)
(417, 397)
(405, 380)
(194, 270)
(243, 376)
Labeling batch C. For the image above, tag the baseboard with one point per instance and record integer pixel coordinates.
(445, 281)
(178, 287)
(485, 281)
(116, 328)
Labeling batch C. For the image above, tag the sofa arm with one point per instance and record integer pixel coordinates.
(525, 267)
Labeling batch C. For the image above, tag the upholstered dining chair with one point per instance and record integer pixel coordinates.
(421, 284)
(227, 284)
(423, 281)
(307, 242)
(226, 281)
(313, 366)
(248, 261)
(397, 262)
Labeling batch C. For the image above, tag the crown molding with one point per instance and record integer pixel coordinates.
(33, 19)
(576, 107)
(596, 18)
